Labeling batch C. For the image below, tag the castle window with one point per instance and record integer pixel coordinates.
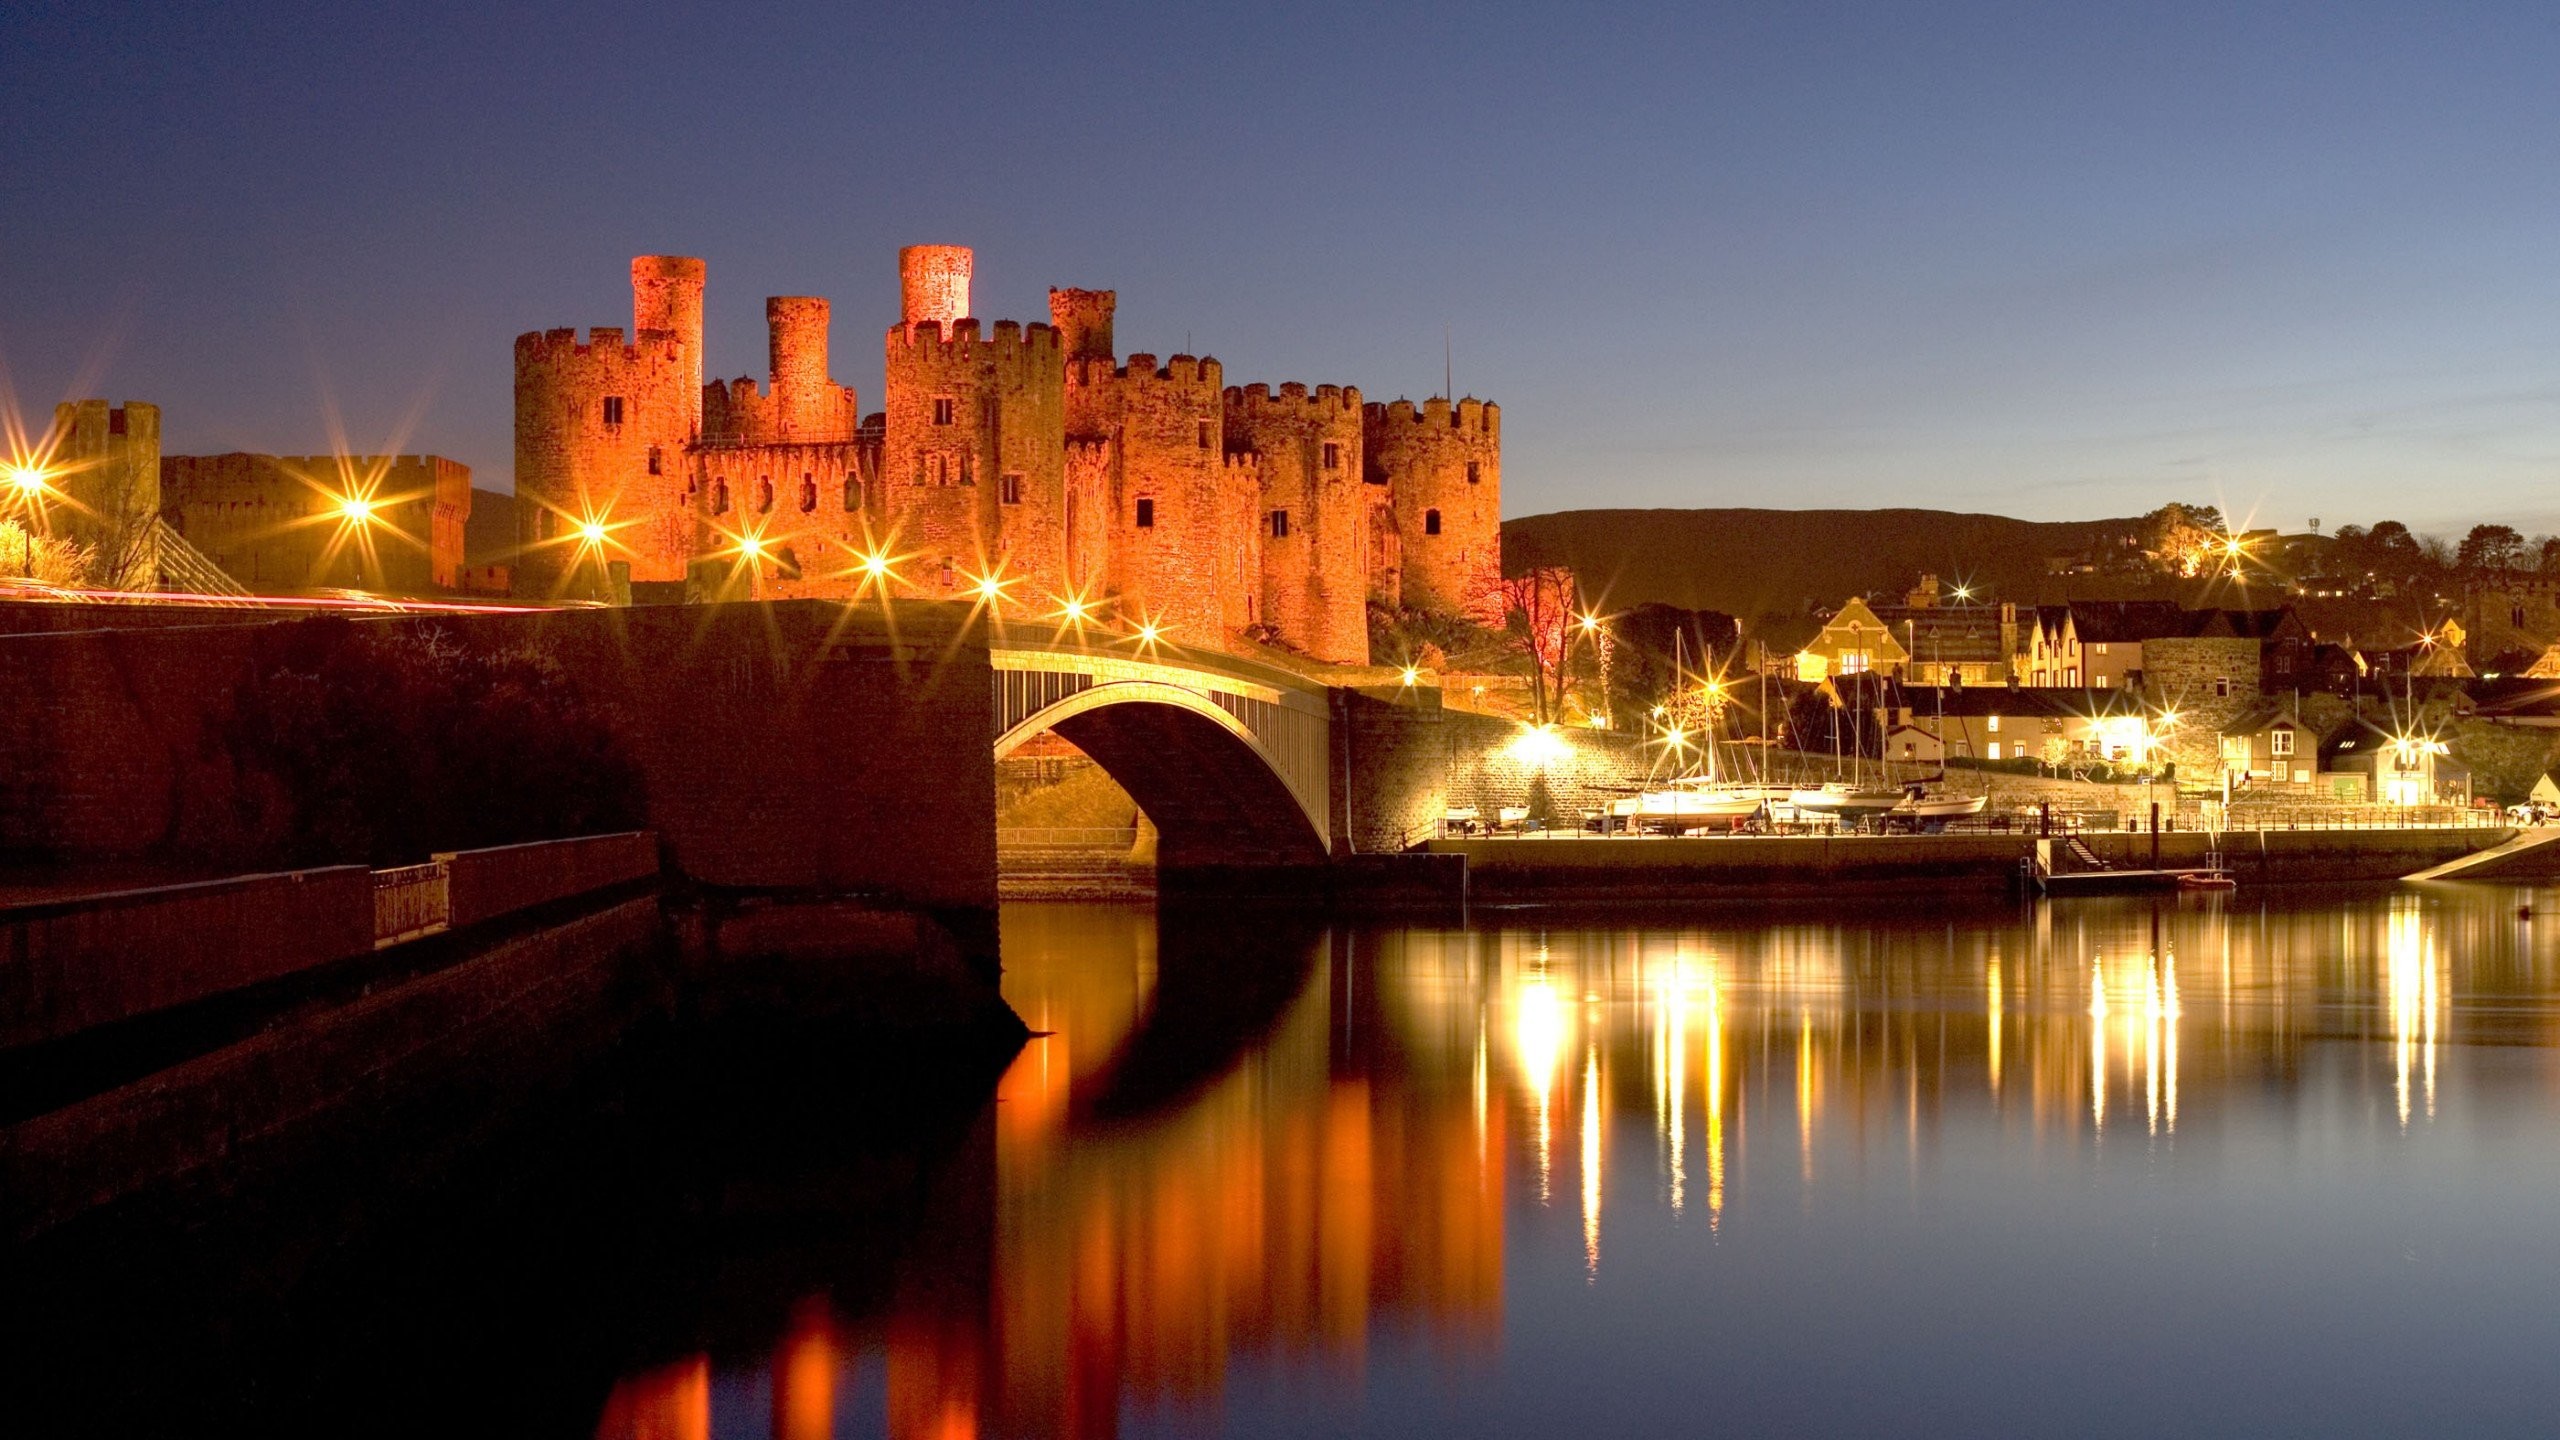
(1332, 456)
(1430, 522)
(1146, 513)
(2221, 686)
(657, 461)
(852, 493)
(2280, 742)
(920, 467)
(1206, 439)
(764, 495)
(1009, 489)
(1279, 524)
(808, 493)
(613, 410)
(1475, 473)
(2516, 614)
(945, 409)
(720, 496)
(968, 469)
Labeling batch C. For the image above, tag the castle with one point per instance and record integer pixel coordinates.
(1028, 465)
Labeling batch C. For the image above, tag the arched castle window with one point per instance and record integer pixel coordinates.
(808, 494)
(720, 496)
(852, 493)
(657, 461)
(1430, 522)
(764, 495)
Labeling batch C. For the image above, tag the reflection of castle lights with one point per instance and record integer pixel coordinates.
(1591, 1159)
(1538, 1034)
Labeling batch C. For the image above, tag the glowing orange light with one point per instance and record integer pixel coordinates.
(751, 547)
(1149, 632)
(591, 532)
(1074, 608)
(875, 565)
(28, 481)
(356, 509)
(1413, 675)
(1590, 623)
(990, 588)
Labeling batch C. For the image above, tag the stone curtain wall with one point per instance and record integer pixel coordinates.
(2180, 675)
(1406, 762)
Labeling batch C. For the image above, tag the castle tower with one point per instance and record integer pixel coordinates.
(107, 464)
(602, 427)
(1180, 546)
(973, 444)
(1313, 509)
(1443, 466)
(666, 295)
(933, 283)
(1083, 321)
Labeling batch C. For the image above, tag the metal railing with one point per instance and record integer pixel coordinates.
(410, 901)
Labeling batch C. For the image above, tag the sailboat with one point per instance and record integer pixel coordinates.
(1849, 799)
(1695, 800)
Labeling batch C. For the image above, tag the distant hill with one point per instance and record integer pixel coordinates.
(1780, 562)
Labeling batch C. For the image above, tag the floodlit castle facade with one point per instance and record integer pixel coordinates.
(1027, 462)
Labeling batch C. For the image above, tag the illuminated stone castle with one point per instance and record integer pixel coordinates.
(1026, 459)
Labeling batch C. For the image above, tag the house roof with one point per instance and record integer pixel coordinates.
(1952, 634)
(2109, 621)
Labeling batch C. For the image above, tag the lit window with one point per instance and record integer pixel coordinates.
(1332, 456)
(1430, 522)
(1009, 489)
(1992, 724)
(1146, 513)
(2280, 744)
(945, 409)
(1279, 524)
(1995, 750)
(613, 410)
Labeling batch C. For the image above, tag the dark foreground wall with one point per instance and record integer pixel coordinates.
(784, 745)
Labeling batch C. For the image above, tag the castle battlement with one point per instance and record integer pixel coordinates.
(1242, 462)
(1294, 399)
(1480, 416)
(604, 343)
(926, 339)
(1181, 371)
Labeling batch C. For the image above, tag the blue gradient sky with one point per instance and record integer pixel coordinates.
(2046, 260)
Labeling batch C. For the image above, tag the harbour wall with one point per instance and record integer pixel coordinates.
(1756, 867)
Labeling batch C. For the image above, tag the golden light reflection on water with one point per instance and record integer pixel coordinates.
(1342, 1167)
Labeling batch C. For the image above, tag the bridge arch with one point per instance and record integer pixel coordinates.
(1221, 767)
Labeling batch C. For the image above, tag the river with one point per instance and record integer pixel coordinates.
(2284, 1162)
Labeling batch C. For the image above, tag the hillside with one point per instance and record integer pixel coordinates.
(1779, 562)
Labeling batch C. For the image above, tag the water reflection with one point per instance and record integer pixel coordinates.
(1253, 1174)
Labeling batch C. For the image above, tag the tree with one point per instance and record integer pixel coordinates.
(2550, 552)
(2490, 548)
(1656, 641)
(47, 558)
(2182, 539)
(1537, 616)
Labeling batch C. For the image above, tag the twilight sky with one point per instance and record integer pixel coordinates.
(2049, 260)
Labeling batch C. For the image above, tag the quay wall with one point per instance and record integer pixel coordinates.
(1745, 867)
(441, 1056)
(481, 884)
(70, 965)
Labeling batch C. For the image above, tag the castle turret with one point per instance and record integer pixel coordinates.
(933, 282)
(1313, 512)
(1443, 466)
(808, 402)
(1083, 321)
(666, 294)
